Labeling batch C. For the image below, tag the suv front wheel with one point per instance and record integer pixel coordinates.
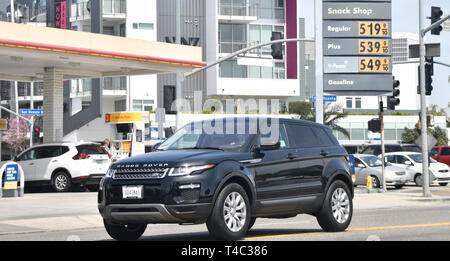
(337, 209)
(231, 214)
(125, 232)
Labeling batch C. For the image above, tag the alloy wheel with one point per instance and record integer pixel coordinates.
(234, 211)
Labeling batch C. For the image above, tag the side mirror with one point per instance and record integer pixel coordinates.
(268, 144)
(409, 163)
(360, 165)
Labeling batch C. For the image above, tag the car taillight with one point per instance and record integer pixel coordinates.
(81, 156)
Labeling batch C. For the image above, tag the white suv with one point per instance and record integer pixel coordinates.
(63, 165)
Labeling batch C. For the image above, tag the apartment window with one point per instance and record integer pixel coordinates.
(143, 26)
(262, 34)
(120, 105)
(230, 69)
(358, 103)
(143, 105)
(349, 103)
(232, 37)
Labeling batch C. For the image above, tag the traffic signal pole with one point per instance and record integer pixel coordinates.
(383, 150)
(423, 119)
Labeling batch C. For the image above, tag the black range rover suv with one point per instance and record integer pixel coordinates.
(228, 172)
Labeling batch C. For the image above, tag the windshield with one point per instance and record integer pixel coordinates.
(200, 135)
(418, 158)
(372, 161)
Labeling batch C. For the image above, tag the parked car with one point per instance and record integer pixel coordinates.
(63, 165)
(412, 163)
(229, 180)
(370, 166)
(375, 149)
(441, 154)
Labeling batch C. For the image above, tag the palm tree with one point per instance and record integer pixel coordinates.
(332, 114)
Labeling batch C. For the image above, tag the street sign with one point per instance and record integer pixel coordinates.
(353, 10)
(3, 124)
(357, 47)
(431, 141)
(31, 112)
(327, 98)
(431, 50)
(357, 64)
(353, 29)
(446, 26)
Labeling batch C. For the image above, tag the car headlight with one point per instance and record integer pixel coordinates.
(188, 170)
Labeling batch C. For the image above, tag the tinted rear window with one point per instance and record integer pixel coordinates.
(91, 149)
(302, 136)
(323, 136)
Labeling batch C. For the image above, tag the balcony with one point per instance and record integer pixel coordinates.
(112, 86)
(239, 14)
(112, 10)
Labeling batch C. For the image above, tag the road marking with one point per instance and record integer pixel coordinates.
(355, 229)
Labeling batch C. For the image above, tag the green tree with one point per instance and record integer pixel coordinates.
(332, 114)
(411, 135)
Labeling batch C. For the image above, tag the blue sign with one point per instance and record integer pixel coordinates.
(327, 98)
(352, 163)
(30, 112)
(11, 173)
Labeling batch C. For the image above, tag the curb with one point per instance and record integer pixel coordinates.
(368, 191)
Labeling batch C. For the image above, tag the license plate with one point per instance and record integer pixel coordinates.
(132, 192)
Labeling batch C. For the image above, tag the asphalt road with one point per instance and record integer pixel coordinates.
(391, 216)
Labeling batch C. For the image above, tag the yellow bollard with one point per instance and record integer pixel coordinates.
(369, 182)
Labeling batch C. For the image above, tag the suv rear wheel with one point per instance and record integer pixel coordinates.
(231, 214)
(337, 209)
(125, 232)
(61, 181)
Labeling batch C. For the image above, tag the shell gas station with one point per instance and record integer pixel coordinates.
(49, 55)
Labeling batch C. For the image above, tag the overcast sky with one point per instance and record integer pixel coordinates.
(405, 18)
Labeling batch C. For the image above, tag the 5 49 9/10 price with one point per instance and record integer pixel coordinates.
(374, 65)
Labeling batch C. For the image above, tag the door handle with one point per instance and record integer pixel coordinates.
(291, 156)
(324, 153)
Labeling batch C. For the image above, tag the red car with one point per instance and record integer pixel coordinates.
(441, 154)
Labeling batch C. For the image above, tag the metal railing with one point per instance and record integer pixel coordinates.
(231, 47)
(238, 10)
(110, 7)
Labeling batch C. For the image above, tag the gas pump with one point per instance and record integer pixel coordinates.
(129, 131)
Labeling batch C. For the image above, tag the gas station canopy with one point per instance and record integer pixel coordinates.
(25, 52)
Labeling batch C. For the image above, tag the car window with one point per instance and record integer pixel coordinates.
(445, 152)
(392, 148)
(282, 136)
(434, 152)
(399, 159)
(29, 155)
(324, 138)
(413, 148)
(357, 162)
(91, 149)
(302, 136)
(48, 152)
(390, 158)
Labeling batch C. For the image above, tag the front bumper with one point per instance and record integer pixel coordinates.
(155, 213)
(167, 200)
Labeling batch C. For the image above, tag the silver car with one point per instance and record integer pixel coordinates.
(369, 165)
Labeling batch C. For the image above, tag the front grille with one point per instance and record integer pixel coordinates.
(443, 170)
(133, 174)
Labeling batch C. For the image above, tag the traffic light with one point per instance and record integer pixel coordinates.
(277, 49)
(393, 101)
(374, 125)
(428, 79)
(436, 14)
(36, 134)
